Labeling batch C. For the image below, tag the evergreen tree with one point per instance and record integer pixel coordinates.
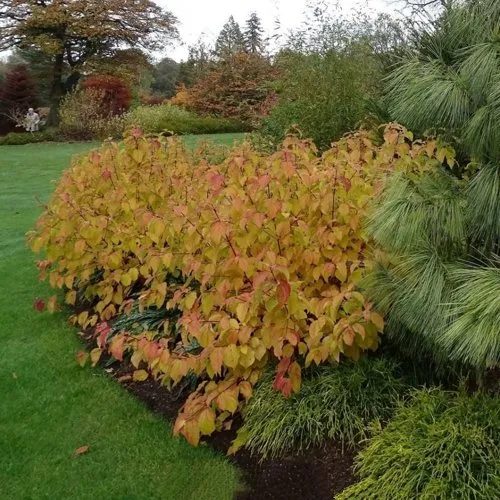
(165, 76)
(440, 285)
(254, 40)
(230, 40)
(18, 90)
(196, 66)
(40, 68)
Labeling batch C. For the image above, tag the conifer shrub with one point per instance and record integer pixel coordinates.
(439, 445)
(259, 254)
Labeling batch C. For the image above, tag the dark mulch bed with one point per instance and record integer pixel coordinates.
(317, 474)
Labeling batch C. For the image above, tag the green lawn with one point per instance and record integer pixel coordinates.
(50, 406)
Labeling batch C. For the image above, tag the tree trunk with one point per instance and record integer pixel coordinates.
(72, 81)
(56, 90)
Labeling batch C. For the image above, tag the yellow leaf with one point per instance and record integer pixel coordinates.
(241, 311)
(190, 300)
(95, 355)
(52, 304)
(82, 357)
(136, 358)
(206, 421)
(246, 389)
(167, 259)
(231, 356)
(207, 304)
(377, 320)
(140, 375)
(191, 432)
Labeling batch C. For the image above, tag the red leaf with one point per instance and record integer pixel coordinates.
(283, 292)
(106, 174)
(283, 366)
(39, 305)
(346, 182)
(102, 330)
(286, 388)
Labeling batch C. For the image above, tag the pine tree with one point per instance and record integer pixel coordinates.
(440, 286)
(230, 40)
(254, 40)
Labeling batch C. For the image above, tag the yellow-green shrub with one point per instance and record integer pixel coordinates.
(269, 248)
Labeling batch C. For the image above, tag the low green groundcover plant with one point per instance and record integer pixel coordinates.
(336, 402)
(20, 138)
(439, 446)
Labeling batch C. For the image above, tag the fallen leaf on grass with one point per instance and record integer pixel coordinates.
(81, 450)
(39, 305)
(82, 357)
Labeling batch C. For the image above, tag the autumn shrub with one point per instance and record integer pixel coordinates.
(115, 94)
(440, 445)
(238, 86)
(167, 117)
(335, 402)
(260, 254)
(82, 117)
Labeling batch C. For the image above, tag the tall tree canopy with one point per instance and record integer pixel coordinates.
(73, 32)
(230, 40)
(254, 35)
(165, 76)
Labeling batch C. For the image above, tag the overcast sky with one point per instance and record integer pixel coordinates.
(208, 16)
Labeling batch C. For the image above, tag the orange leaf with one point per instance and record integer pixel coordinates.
(81, 450)
(283, 292)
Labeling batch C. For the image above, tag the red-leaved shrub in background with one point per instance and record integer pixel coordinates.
(116, 94)
(237, 87)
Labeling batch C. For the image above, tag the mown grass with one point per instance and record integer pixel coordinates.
(50, 406)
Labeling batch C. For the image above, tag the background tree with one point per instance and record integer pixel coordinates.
(17, 94)
(230, 40)
(73, 32)
(254, 35)
(165, 77)
(236, 87)
(130, 65)
(40, 68)
(198, 63)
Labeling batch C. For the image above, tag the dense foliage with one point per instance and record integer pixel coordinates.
(116, 96)
(17, 94)
(18, 139)
(325, 95)
(172, 119)
(335, 402)
(331, 72)
(268, 248)
(439, 445)
(83, 116)
(441, 284)
(73, 34)
(236, 87)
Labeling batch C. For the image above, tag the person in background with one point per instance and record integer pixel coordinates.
(32, 120)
